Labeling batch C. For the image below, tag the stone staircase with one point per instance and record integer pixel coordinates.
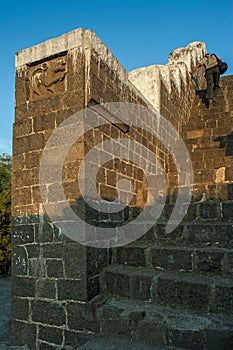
(176, 296)
(177, 289)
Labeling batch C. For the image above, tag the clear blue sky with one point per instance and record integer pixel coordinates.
(139, 33)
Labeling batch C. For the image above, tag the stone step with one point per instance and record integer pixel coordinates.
(200, 161)
(217, 108)
(173, 258)
(128, 282)
(203, 113)
(223, 100)
(219, 134)
(207, 133)
(196, 292)
(207, 231)
(178, 290)
(201, 142)
(208, 153)
(161, 326)
(227, 80)
(200, 125)
(223, 94)
(113, 342)
(214, 163)
(214, 155)
(203, 175)
(218, 177)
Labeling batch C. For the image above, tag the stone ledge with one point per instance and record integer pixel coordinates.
(110, 342)
(163, 325)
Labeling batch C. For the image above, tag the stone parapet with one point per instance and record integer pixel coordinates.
(174, 77)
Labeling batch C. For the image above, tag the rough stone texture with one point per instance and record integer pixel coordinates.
(106, 342)
(54, 278)
(189, 303)
(163, 326)
(157, 80)
(50, 272)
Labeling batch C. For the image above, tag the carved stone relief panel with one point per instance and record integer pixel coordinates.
(47, 78)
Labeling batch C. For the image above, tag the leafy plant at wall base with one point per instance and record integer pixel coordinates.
(5, 213)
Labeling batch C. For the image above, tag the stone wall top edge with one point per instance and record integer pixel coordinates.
(180, 61)
(107, 56)
(190, 54)
(50, 47)
(105, 53)
(79, 38)
(176, 57)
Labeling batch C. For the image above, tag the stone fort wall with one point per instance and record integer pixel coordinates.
(55, 279)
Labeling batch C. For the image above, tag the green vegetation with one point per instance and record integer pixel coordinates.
(5, 213)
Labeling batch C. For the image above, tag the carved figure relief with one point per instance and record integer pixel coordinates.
(48, 78)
